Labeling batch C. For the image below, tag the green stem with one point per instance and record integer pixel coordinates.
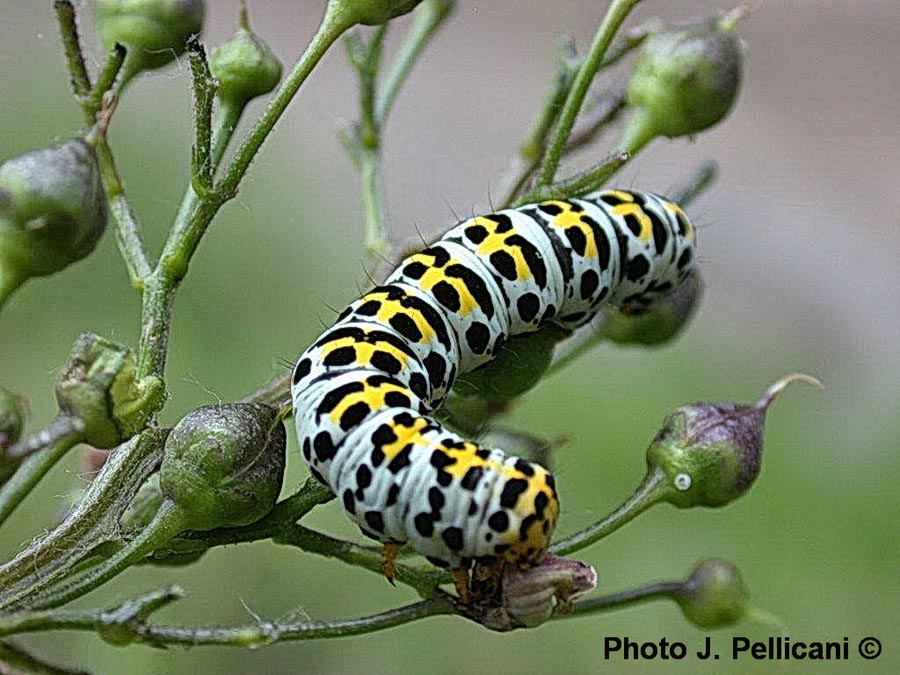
(227, 118)
(105, 79)
(204, 87)
(604, 603)
(16, 660)
(93, 521)
(427, 18)
(577, 185)
(651, 490)
(705, 175)
(31, 471)
(639, 131)
(127, 624)
(168, 522)
(615, 15)
(68, 28)
(376, 235)
(129, 234)
(156, 312)
(424, 581)
(183, 241)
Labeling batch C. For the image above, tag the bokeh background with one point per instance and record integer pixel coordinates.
(798, 248)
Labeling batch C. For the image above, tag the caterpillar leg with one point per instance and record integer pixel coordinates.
(389, 555)
(461, 583)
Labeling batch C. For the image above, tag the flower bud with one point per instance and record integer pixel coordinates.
(712, 452)
(99, 389)
(659, 323)
(155, 32)
(245, 66)
(685, 80)
(223, 465)
(519, 364)
(531, 596)
(52, 209)
(373, 12)
(714, 596)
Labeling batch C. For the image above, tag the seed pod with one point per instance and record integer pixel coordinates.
(223, 464)
(155, 32)
(712, 452)
(714, 595)
(373, 12)
(685, 81)
(661, 322)
(52, 210)
(98, 389)
(245, 66)
(143, 506)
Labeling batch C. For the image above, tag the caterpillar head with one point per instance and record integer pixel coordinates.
(529, 509)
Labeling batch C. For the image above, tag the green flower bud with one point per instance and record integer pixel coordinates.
(98, 389)
(373, 12)
(245, 66)
(52, 210)
(223, 465)
(685, 81)
(520, 363)
(659, 323)
(714, 596)
(711, 453)
(155, 32)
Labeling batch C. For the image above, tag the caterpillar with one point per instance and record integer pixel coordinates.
(364, 393)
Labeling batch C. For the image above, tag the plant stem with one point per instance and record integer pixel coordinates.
(604, 603)
(68, 28)
(93, 521)
(651, 490)
(204, 87)
(31, 471)
(424, 581)
(156, 313)
(184, 238)
(704, 176)
(164, 526)
(127, 624)
(427, 18)
(577, 185)
(615, 15)
(14, 659)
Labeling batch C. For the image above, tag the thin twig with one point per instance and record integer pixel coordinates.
(68, 28)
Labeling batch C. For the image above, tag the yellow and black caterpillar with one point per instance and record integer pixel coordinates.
(364, 393)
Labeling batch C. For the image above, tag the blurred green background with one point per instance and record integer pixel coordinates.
(798, 248)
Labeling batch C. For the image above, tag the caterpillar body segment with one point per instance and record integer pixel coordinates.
(365, 391)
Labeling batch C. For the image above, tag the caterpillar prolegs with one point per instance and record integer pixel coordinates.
(365, 391)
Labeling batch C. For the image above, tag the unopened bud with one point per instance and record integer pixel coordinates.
(714, 596)
(245, 66)
(154, 32)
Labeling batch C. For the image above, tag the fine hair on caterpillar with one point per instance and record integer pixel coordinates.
(364, 393)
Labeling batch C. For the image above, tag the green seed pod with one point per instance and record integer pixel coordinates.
(99, 389)
(52, 210)
(372, 12)
(714, 596)
(659, 324)
(245, 67)
(711, 453)
(223, 465)
(685, 81)
(520, 364)
(155, 32)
